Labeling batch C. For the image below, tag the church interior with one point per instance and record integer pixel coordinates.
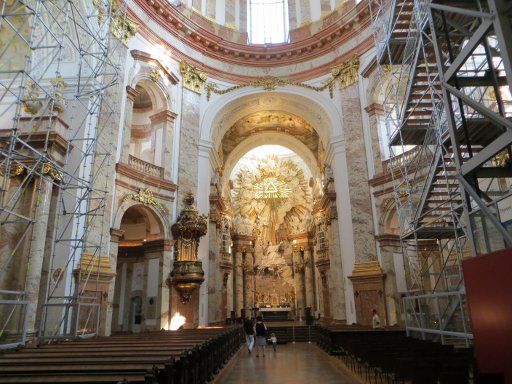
(173, 173)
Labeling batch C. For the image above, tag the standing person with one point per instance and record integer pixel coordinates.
(249, 333)
(273, 340)
(375, 319)
(261, 335)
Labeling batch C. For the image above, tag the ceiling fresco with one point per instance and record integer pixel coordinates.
(270, 121)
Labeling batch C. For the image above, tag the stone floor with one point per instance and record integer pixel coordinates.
(292, 364)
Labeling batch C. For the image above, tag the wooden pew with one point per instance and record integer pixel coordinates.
(182, 357)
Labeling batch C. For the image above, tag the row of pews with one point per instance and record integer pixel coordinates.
(180, 357)
(388, 355)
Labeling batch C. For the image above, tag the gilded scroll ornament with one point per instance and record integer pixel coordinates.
(144, 196)
(342, 76)
(193, 77)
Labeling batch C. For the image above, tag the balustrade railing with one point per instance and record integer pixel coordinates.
(145, 167)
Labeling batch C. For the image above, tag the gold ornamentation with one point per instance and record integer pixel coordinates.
(346, 73)
(193, 77)
(144, 196)
(121, 26)
(501, 160)
(58, 99)
(343, 76)
(31, 103)
(14, 171)
(50, 170)
(154, 75)
(187, 274)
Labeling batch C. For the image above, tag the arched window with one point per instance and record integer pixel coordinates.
(268, 21)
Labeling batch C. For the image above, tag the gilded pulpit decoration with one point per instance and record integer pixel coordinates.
(193, 77)
(144, 196)
(187, 274)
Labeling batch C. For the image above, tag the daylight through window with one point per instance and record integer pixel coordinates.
(268, 21)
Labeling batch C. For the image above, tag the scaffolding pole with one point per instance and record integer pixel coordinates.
(56, 67)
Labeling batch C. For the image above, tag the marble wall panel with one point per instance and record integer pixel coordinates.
(230, 18)
(243, 16)
(210, 9)
(305, 11)
(292, 14)
(189, 141)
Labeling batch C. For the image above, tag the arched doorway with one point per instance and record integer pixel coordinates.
(137, 295)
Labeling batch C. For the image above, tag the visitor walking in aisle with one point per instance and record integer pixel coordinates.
(249, 333)
(273, 340)
(261, 335)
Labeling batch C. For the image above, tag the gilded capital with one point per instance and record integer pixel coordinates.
(193, 77)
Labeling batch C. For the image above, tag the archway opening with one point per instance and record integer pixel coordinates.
(146, 134)
(137, 296)
(272, 196)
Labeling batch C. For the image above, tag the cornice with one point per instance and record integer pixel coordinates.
(163, 116)
(199, 34)
(146, 57)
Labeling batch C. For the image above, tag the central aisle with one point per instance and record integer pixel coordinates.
(299, 363)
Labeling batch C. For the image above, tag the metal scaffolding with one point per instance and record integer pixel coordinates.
(447, 106)
(56, 67)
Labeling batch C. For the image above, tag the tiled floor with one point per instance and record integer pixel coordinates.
(299, 363)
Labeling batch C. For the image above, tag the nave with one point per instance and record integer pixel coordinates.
(299, 363)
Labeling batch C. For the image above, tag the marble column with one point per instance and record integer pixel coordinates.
(42, 202)
(164, 308)
(298, 282)
(115, 236)
(309, 276)
(131, 93)
(365, 296)
(249, 282)
(375, 115)
(238, 283)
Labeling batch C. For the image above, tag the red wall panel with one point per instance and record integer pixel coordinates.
(488, 280)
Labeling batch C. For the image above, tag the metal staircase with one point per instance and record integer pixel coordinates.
(447, 68)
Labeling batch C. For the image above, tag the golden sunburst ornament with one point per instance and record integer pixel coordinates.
(271, 188)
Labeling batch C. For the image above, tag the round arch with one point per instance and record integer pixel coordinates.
(154, 215)
(275, 138)
(158, 94)
(222, 113)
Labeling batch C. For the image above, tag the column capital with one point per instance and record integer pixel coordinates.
(116, 235)
(374, 109)
(163, 116)
(131, 93)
